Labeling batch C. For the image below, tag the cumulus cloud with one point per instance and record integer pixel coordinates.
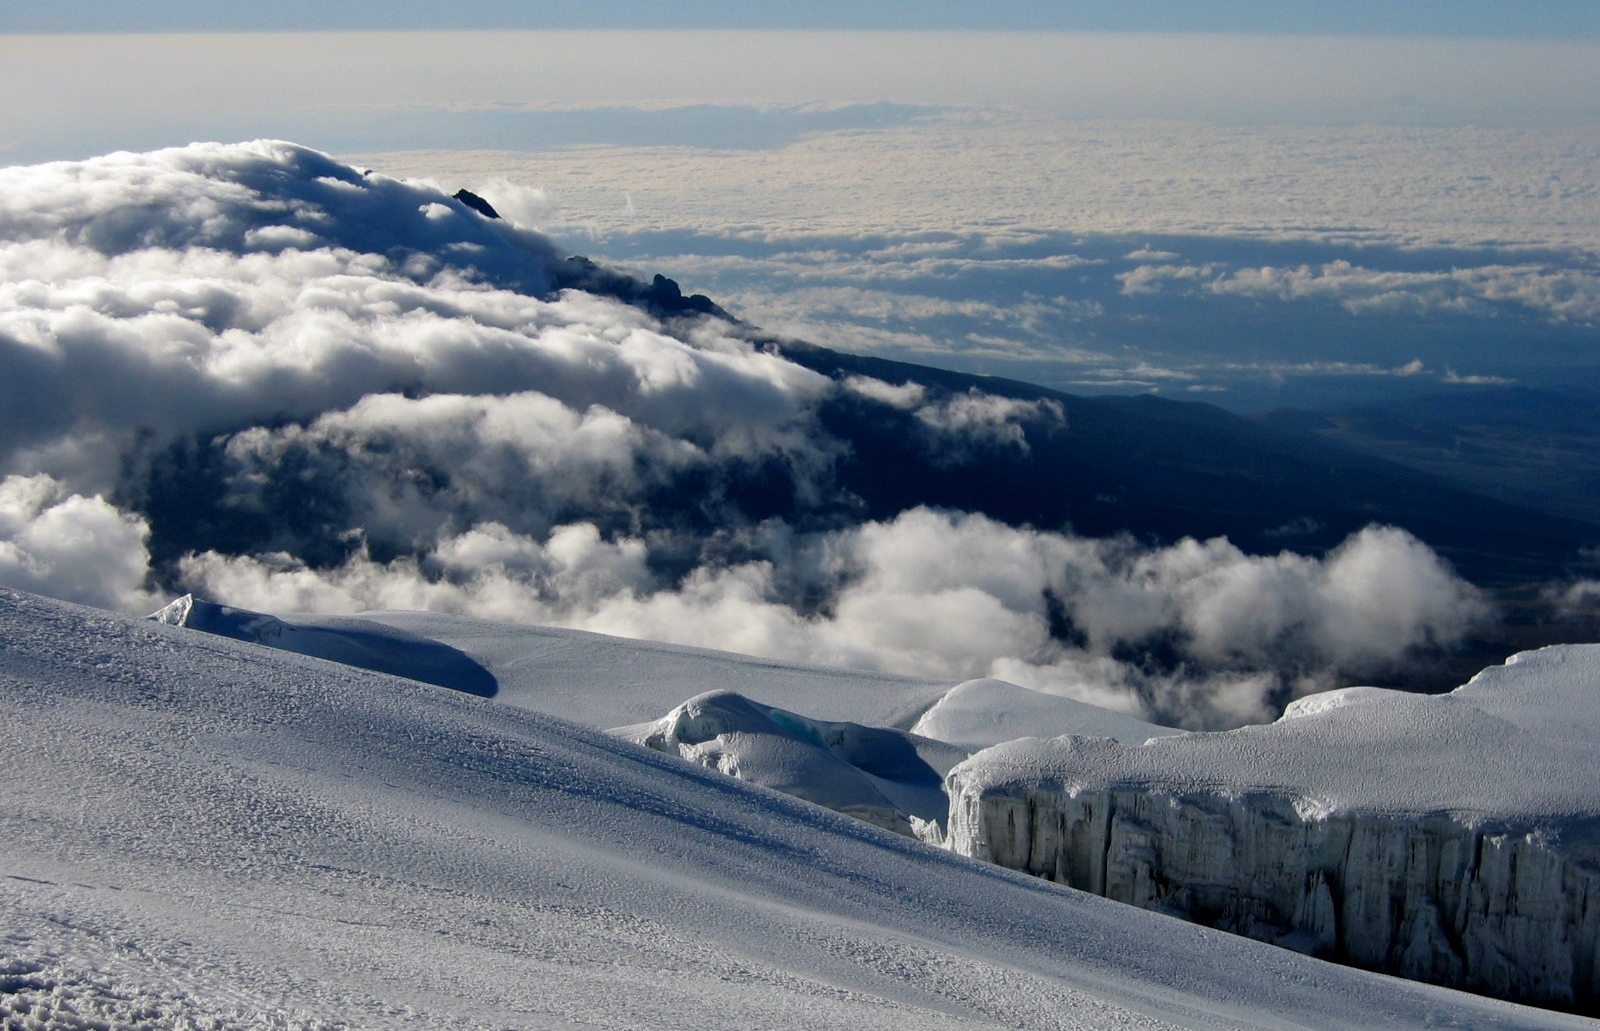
(943, 595)
(256, 373)
(906, 396)
(976, 419)
(207, 289)
(69, 546)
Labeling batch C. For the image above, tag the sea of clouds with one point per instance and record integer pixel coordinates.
(1257, 266)
(282, 382)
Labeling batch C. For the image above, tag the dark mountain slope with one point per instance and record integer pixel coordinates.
(1164, 469)
(1539, 448)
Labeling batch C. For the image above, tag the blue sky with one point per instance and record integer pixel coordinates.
(1522, 19)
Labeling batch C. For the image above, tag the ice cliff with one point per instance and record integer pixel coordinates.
(1452, 839)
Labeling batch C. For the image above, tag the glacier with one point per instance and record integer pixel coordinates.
(1449, 839)
(1452, 839)
(201, 832)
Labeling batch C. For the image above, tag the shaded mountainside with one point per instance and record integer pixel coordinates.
(1164, 469)
(1539, 448)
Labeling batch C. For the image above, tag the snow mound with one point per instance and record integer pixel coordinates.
(888, 778)
(353, 642)
(980, 713)
(1326, 701)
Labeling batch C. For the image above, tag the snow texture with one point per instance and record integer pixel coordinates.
(607, 681)
(980, 713)
(1454, 839)
(200, 832)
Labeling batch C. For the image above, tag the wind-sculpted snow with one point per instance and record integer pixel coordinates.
(198, 829)
(291, 385)
(1453, 838)
(605, 681)
(888, 778)
(353, 642)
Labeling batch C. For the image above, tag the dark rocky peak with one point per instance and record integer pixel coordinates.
(476, 203)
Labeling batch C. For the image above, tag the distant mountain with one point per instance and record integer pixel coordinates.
(1162, 469)
(1538, 448)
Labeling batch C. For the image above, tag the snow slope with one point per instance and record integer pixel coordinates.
(887, 777)
(1451, 838)
(198, 829)
(354, 642)
(611, 681)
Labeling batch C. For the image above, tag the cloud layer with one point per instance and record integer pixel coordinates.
(257, 373)
(1198, 633)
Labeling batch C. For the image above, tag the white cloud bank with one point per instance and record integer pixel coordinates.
(1556, 294)
(71, 547)
(941, 595)
(355, 392)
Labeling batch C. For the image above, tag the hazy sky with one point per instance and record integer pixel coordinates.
(74, 96)
(1524, 19)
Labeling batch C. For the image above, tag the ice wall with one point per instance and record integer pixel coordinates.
(1450, 839)
(1429, 899)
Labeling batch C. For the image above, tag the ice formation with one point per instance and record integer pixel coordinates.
(1453, 839)
(888, 778)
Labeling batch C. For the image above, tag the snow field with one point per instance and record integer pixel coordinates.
(269, 832)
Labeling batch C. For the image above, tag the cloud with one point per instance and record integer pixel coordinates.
(976, 420)
(525, 206)
(1008, 173)
(205, 290)
(959, 426)
(256, 373)
(1151, 279)
(407, 470)
(1561, 295)
(69, 546)
(1151, 254)
(905, 396)
(942, 595)
(1557, 294)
